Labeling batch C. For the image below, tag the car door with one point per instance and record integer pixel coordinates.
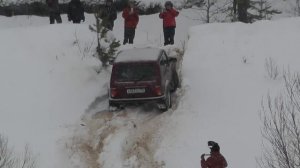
(165, 69)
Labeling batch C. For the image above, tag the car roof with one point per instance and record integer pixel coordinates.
(139, 54)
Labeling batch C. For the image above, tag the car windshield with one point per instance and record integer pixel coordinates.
(135, 72)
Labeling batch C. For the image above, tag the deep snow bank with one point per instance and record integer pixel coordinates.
(46, 85)
(224, 80)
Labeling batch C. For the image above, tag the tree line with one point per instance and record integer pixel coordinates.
(40, 8)
(246, 11)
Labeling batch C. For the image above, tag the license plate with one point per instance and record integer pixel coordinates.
(134, 91)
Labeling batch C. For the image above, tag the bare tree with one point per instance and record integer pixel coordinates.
(213, 10)
(191, 3)
(6, 156)
(27, 161)
(294, 7)
(8, 159)
(281, 126)
(271, 68)
(297, 7)
(207, 7)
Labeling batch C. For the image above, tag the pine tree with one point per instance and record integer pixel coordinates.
(241, 10)
(248, 11)
(107, 45)
(212, 10)
(261, 10)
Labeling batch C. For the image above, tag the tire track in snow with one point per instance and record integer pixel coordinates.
(128, 138)
(136, 148)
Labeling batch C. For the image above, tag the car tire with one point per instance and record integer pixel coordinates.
(113, 107)
(167, 101)
(175, 82)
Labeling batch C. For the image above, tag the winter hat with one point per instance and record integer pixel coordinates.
(213, 146)
(169, 3)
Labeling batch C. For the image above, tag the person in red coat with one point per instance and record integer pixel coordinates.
(131, 19)
(216, 159)
(169, 23)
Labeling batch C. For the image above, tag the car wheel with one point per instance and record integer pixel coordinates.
(113, 107)
(167, 102)
(175, 82)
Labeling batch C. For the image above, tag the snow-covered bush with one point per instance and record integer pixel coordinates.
(107, 44)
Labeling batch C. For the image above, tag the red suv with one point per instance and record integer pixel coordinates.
(145, 75)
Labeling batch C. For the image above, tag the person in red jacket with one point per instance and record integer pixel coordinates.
(169, 23)
(216, 159)
(131, 19)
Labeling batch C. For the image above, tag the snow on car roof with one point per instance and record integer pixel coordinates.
(138, 54)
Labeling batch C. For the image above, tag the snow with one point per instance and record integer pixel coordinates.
(223, 93)
(53, 99)
(46, 84)
(138, 54)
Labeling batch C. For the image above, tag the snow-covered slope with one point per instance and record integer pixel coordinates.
(53, 99)
(49, 79)
(224, 80)
(46, 85)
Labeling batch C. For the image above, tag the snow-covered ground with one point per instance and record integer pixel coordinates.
(225, 80)
(46, 84)
(49, 79)
(53, 99)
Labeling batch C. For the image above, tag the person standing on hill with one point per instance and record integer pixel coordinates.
(216, 159)
(131, 19)
(109, 15)
(75, 11)
(169, 23)
(54, 12)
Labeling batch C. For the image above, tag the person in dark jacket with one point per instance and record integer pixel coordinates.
(216, 159)
(76, 11)
(54, 12)
(131, 19)
(169, 23)
(109, 15)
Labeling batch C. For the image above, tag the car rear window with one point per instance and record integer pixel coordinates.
(134, 72)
